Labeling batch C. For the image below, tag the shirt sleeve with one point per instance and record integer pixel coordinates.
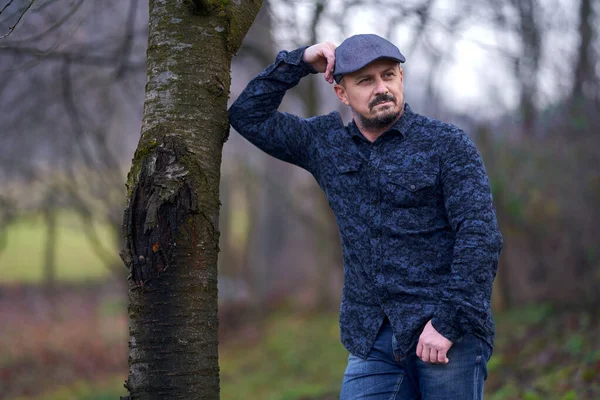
(478, 241)
(254, 114)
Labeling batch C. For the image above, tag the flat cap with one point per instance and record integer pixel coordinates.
(359, 50)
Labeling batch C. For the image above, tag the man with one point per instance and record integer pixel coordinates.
(414, 210)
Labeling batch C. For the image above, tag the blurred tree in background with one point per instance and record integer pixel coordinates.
(71, 103)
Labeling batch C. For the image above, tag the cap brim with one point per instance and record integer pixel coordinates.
(339, 77)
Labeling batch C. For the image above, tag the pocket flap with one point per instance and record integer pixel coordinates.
(348, 164)
(413, 180)
(344, 162)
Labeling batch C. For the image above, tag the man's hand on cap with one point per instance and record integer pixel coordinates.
(321, 57)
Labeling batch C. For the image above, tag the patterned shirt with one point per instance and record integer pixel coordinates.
(414, 210)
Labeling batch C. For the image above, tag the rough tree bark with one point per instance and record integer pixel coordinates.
(171, 220)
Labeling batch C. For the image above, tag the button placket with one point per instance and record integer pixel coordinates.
(375, 177)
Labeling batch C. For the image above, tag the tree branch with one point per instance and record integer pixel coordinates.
(12, 28)
(53, 27)
(81, 58)
(241, 14)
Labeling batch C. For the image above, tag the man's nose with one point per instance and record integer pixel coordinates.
(380, 87)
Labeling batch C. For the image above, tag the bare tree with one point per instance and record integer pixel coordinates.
(72, 80)
(522, 19)
(584, 73)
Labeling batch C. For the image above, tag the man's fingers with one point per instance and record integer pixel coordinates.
(426, 353)
(433, 355)
(328, 76)
(441, 357)
(330, 65)
(329, 54)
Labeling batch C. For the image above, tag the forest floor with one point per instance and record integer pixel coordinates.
(74, 346)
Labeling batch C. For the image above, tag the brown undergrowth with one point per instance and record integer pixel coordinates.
(79, 337)
(79, 333)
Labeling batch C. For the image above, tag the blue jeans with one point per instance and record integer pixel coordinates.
(388, 375)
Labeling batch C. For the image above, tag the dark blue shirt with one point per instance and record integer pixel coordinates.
(414, 209)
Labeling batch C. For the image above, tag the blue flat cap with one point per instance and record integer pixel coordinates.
(359, 50)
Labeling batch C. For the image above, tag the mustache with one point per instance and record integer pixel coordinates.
(381, 99)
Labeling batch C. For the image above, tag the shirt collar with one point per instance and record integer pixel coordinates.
(405, 121)
(401, 126)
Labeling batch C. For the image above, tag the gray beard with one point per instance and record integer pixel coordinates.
(380, 121)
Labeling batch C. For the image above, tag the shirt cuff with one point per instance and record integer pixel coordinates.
(293, 58)
(446, 322)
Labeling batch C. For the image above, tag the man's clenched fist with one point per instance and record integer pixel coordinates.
(433, 347)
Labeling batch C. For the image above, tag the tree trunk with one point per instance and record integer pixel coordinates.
(584, 69)
(528, 65)
(267, 229)
(50, 249)
(171, 219)
(326, 239)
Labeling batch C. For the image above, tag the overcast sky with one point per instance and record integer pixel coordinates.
(475, 76)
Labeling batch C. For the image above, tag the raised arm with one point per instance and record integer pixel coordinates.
(254, 114)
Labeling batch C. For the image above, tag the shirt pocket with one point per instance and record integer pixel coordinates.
(342, 179)
(337, 161)
(346, 164)
(412, 188)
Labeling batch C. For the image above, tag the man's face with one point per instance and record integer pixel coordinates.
(375, 93)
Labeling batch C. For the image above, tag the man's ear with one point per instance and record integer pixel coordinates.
(340, 91)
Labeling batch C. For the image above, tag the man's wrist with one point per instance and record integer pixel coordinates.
(290, 61)
(296, 57)
(447, 326)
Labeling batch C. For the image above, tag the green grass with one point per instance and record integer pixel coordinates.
(21, 260)
(545, 353)
(298, 358)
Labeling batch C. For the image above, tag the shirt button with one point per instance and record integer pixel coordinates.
(412, 186)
